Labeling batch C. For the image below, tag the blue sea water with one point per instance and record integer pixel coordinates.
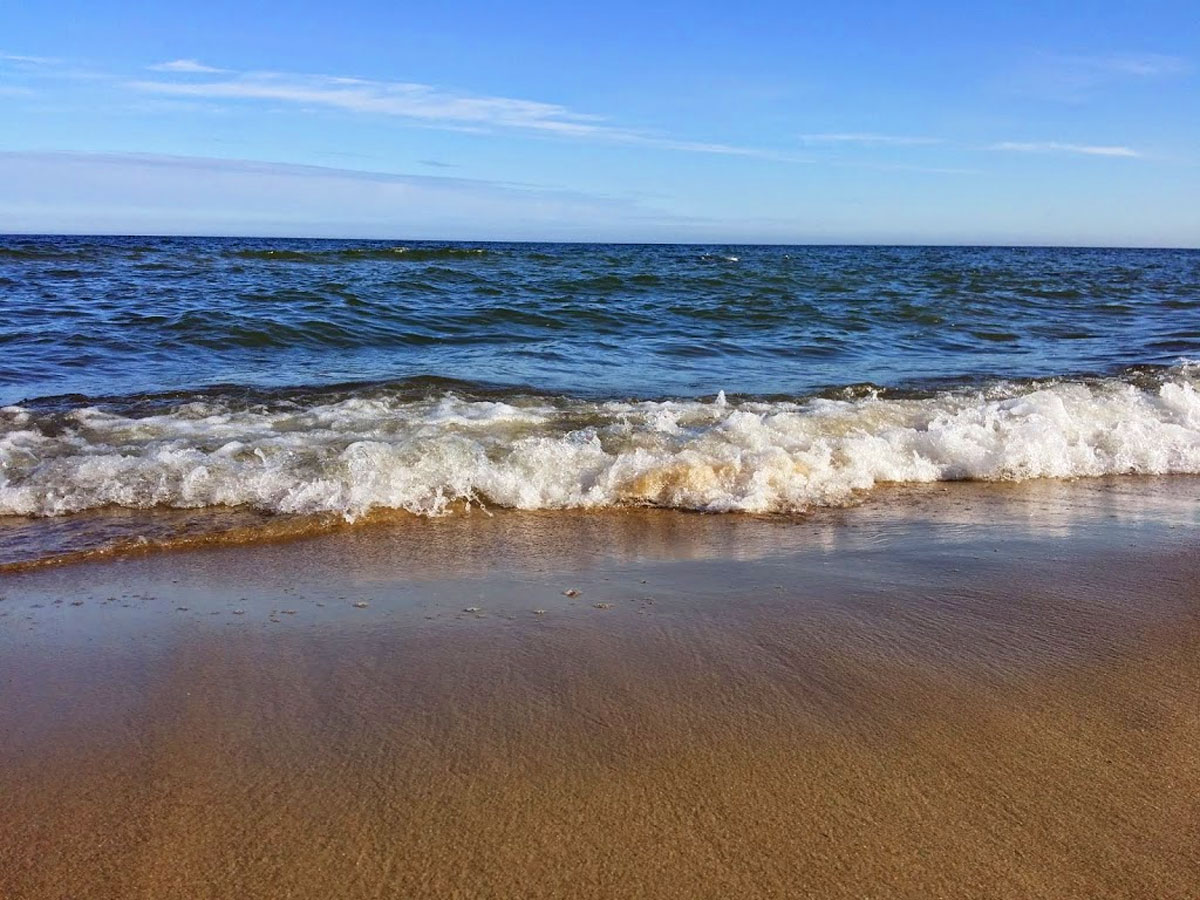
(126, 316)
(338, 378)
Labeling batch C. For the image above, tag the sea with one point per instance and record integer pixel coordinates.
(235, 380)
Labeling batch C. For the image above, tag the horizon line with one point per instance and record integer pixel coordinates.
(525, 241)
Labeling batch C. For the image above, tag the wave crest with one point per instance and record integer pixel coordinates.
(354, 453)
(350, 254)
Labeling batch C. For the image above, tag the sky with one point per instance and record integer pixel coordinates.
(759, 122)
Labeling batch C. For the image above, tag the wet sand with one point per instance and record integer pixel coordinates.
(961, 692)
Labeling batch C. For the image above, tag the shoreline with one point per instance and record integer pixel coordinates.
(984, 691)
(116, 533)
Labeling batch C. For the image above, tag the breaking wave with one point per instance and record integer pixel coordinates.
(350, 254)
(355, 451)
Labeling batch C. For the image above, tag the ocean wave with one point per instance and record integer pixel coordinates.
(355, 452)
(351, 254)
(34, 252)
(124, 316)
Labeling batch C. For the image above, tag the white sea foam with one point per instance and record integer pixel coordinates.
(359, 453)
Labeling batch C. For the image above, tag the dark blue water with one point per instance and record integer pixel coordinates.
(124, 316)
(142, 378)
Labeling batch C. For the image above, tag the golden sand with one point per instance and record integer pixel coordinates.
(950, 704)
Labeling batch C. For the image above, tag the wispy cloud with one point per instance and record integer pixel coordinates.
(1075, 78)
(905, 167)
(1139, 65)
(186, 66)
(426, 104)
(867, 138)
(402, 99)
(156, 194)
(1059, 147)
(29, 60)
(49, 69)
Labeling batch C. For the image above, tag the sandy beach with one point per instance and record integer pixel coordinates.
(979, 692)
(575, 452)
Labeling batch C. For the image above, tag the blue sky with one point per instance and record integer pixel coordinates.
(773, 122)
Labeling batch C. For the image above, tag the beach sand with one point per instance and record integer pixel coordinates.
(960, 691)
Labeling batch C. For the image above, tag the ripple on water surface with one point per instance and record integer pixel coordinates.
(683, 321)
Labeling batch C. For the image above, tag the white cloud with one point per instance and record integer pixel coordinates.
(1140, 65)
(1073, 79)
(152, 193)
(29, 60)
(47, 69)
(866, 138)
(1058, 147)
(904, 167)
(186, 66)
(434, 106)
(407, 100)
